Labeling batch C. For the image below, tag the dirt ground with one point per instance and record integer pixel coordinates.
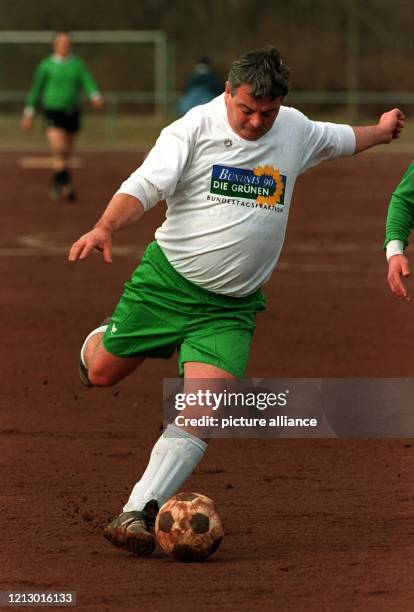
(311, 525)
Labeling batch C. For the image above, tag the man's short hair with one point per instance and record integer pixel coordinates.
(264, 70)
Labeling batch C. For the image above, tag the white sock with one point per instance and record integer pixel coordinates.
(174, 457)
(101, 329)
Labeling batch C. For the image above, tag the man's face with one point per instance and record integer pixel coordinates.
(61, 45)
(250, 118)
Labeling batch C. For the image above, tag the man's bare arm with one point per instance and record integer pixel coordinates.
(388, 128)
(121, 211)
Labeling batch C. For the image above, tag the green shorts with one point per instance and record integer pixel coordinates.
(160, 311)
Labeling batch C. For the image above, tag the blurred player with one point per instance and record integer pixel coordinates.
(400, 222)
(227, 171)
(201, 87)
(58, 83)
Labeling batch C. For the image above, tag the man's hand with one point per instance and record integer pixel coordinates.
(98, 238)
(392, 124)
(27, 123)
(98, 102)
(122, 210)
(397, 269)
(388, 127)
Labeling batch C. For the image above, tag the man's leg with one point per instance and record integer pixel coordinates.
(176, 453)
(99, 368)
(61, 145)
(174, 457)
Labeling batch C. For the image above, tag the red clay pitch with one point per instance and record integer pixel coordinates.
(311, 525)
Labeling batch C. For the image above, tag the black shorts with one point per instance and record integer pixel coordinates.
(69, 121)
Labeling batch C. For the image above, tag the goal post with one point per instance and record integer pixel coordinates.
(160, 96)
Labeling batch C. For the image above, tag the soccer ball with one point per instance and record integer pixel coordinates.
(188, 527)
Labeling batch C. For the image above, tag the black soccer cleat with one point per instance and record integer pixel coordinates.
(68, 192)
(54, 190)
(61, 187)
(134, 531)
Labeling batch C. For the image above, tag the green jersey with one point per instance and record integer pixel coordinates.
(400, 217)
(59, 82)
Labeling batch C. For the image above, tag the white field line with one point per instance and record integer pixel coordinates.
(136, 252)
(39, 244)
(335, 247)
(35, 162)
(30, 245)
(41, 241)
(123, 251)
(317, 267)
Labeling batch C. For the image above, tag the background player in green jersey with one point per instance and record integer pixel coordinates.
(57, 86)
(400, 222)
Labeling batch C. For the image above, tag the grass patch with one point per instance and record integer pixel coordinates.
(108, 132)
(99, 132)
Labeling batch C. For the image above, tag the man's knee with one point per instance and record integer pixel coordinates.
(103, 368)
(100, 377)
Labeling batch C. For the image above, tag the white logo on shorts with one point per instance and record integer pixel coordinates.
(114, 328)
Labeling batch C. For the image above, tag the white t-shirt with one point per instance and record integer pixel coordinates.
(228, 198)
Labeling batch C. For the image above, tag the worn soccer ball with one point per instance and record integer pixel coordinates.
(188, 527)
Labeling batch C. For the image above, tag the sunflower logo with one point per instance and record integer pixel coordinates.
(279, 186)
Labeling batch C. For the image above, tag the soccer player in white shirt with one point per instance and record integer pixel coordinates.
(227, 171)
